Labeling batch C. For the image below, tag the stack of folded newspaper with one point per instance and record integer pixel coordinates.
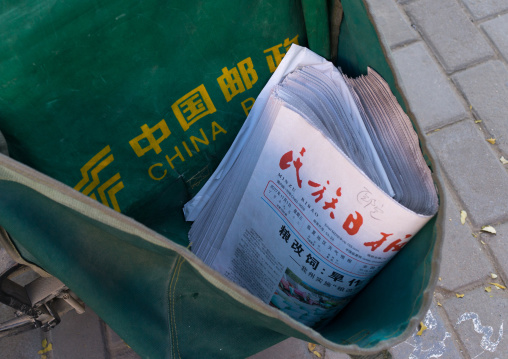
(324, 184)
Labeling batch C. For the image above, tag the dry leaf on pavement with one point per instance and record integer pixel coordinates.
(489, 229)
(463, 216)
(498, 285)
(311, 347)
(491, 141)
(423, 327)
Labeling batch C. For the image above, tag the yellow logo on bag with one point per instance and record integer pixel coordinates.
(107, 191)
(148, 136)
(236, 80)
(275, 55)
(193, 106)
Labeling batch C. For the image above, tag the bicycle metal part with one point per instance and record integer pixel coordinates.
(17, 325)
(38, 304)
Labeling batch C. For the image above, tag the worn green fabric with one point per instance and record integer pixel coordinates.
(135, 103)
(107, 97)
(316, 15)
(139, 288)
(153, 293)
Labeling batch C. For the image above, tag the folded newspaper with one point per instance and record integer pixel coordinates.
(323, 185)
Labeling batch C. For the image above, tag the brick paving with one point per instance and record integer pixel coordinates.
(455, 77)
(446, 27)
(417, 69)
(451, 58)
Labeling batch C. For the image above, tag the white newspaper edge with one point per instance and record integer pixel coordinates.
(296, 56)
(243, 229)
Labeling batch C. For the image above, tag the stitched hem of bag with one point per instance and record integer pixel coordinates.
(175, 350)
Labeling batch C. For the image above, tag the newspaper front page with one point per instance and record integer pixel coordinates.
(311, 228)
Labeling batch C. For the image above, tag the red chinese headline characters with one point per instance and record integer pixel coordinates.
(354, 221)
(395, 246)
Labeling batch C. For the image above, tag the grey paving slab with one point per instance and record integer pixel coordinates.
(431, 97)
(437, 341)
(78, 336)
(334, 355)
(478, 319)
(473, 170)
(498, 244)
(391, 22)
(497, 30)
(21, 346)
(3, 145)
(484, 8)
(486, 89)
(288, 349)
(464, 259)
(6, 261)
(116, 347)
(446, 26)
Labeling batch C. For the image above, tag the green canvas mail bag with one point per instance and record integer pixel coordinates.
(116, 113)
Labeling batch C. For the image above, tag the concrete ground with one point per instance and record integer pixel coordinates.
(451, 58)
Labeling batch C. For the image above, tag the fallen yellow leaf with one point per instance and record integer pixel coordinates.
(311, 347)
(459, 295)
(498, 285)
(316, 354)
(488, 289)
(46, 347)
(483, 242)
(439, 304)
(423, 327)
(493, 276)
(440, 278)
(491, 141)
(478, 121)
(489, 229)
(463, 216)
(503, 160)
